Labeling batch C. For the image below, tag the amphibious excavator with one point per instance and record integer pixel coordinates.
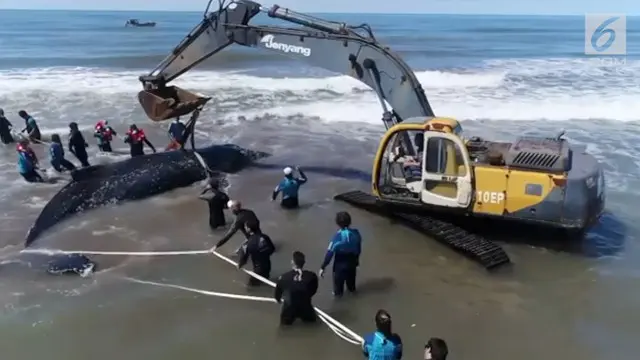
(424, 167)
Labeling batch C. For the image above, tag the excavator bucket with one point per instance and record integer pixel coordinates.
(169, 102)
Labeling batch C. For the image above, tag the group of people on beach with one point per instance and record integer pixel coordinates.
(28, 163)
(295, 288)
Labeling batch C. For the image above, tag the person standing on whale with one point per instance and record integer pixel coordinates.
(136, 139)
(77, 145)
(289, 187)
(176, 134)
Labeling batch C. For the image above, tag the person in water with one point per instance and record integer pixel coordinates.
(77, 145)
(56, 155)
(295, 289)
(136, 139)
(242, 217)
(5, 129)
(344, 249)
(382, 344)
(217, 203)
(28, 162)
(260, 248)
(289, 187)
(31, 126)
(176, 134)
(436, 349)
(104, 133)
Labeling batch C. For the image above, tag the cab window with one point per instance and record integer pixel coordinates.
(444, 157)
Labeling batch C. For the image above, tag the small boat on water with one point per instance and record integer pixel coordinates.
(137, 23)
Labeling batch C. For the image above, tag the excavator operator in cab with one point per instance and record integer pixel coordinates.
(289, 187)
(104, 133)
(412, 165)
(176, 134)
(136, 139)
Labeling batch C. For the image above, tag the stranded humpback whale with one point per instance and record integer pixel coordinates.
(137, 178)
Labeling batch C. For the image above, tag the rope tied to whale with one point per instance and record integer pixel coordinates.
(334, 325)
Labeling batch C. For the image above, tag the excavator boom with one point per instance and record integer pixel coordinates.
(330, 45)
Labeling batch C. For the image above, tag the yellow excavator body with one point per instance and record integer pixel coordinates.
(427, 163)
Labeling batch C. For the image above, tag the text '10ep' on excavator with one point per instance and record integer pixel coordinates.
(424, 167)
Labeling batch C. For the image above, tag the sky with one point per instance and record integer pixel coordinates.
(546, 7)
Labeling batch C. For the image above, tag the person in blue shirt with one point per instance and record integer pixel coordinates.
(28, 163)
(344, 249)
(56, 155)
(382, 344)
(176, 134)
(289, 187)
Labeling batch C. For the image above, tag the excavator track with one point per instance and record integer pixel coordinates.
(475, 247)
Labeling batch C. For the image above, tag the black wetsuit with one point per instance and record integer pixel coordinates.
(241, 219)
(259, 247)
(296, 288)
(78, 147)
(217, 204)
(5, 130)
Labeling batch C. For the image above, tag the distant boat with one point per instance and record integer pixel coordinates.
(137, 23)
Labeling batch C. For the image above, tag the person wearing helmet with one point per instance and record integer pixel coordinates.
(242, 216)
(77, 145)
(104, 133)
(289, 187)
(56, 155)
(136, 139)
(27, 162)
(31, 126)
(176, 134)
(5, 129)
(217, 203)
(382, 344)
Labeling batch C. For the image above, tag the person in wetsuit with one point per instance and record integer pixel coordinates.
(5, 129)
(77, 145)
(344, 249)
(28, 162)
(176, 134)
(136, 139)
(217, 203)
(260, 248)
(104, 133)
(56, 155)
(242, 216)
(436, 349)
(31, 126)
(295, 289)
(289, 187)
(382, 344)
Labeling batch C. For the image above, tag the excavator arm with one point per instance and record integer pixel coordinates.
(334, 46)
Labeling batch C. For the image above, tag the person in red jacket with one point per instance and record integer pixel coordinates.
(104, 133)
(136, 139)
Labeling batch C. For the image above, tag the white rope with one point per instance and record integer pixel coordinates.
(122, 253)
(338, 328)
(204, 292)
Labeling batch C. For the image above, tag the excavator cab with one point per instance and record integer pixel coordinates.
(424, 163)
(167, 102)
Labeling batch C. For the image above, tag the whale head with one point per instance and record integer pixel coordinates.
(229, 158)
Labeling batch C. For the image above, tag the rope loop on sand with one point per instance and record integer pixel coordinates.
(334, 325)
